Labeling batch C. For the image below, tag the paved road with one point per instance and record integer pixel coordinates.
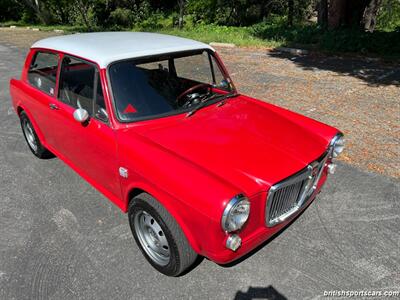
(61, 239)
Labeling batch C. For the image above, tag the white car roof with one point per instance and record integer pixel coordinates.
(107, 47)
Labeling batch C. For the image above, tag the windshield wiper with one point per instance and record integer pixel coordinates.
(204, 102)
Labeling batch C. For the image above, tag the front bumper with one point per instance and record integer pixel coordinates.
(256, 232)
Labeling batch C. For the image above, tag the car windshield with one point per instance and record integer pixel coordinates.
(166, 85)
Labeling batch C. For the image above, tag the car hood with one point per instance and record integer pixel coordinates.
(249, 143)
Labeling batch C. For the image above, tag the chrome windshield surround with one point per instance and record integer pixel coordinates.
(290, 195)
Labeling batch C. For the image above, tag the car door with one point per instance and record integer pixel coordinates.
(39, 88)
(90, 147)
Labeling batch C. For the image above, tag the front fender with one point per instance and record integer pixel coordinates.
(189, 221)
(194, 197)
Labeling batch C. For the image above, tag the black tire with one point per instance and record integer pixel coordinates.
(34, 143)
(182, 256)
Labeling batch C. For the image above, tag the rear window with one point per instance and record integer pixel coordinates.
(42, 72)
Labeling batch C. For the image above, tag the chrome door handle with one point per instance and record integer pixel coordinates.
(53, 106)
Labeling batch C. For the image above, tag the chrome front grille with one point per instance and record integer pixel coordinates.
(285, 200)
(288, 196)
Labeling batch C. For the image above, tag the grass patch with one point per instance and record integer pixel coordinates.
(240, 36)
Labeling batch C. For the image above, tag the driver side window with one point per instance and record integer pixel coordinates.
(80, 87)
(76, 83)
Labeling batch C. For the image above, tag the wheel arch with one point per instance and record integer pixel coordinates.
(133, 193)
(167, 202)
(20, 109)
(39, 133)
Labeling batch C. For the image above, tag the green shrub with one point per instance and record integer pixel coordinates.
(155, 21)
(389, 16)
(123, 17)
(28, 17)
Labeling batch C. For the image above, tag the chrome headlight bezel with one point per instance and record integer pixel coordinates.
(227, 223)
(336, 145)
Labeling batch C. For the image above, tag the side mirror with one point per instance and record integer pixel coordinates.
(224, 84)
(81, 115)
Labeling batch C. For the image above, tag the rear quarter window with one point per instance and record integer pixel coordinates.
(42, 71)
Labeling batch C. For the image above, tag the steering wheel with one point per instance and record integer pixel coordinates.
(193, 88)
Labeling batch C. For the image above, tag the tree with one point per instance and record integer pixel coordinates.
(83, 9)
(336, 13)
(362, 13)
(61, 10)
(290, 12)
(10, 10)
(182, 5)
(322, 8)
(40, 9)
(389, 15)
(370, 15)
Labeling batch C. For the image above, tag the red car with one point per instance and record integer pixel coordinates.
(155, 123)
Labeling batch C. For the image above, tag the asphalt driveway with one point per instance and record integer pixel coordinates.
(61, 239)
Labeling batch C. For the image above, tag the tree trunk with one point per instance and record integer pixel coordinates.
(181, 4)
(323, 13)
(40, 11)
(337, 12)
(353, 13)
(370, 14)
(291, 12)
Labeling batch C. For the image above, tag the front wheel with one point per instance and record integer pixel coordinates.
(159, 237)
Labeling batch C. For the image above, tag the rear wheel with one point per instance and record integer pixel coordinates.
(32, 139)
(159, 237)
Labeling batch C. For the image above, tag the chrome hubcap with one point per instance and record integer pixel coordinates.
(30, 136)
(152, 238)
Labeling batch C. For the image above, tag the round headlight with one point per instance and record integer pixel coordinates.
(236, 213)
(337, 145)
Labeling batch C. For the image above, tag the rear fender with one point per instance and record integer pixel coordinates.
(19, 108)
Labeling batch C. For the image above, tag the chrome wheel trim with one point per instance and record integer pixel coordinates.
(30, 136)
(152, 238)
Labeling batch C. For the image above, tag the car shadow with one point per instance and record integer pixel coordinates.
(259, 293)
(372, 71)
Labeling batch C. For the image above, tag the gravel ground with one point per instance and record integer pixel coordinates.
(22, 38)
(60, 239)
